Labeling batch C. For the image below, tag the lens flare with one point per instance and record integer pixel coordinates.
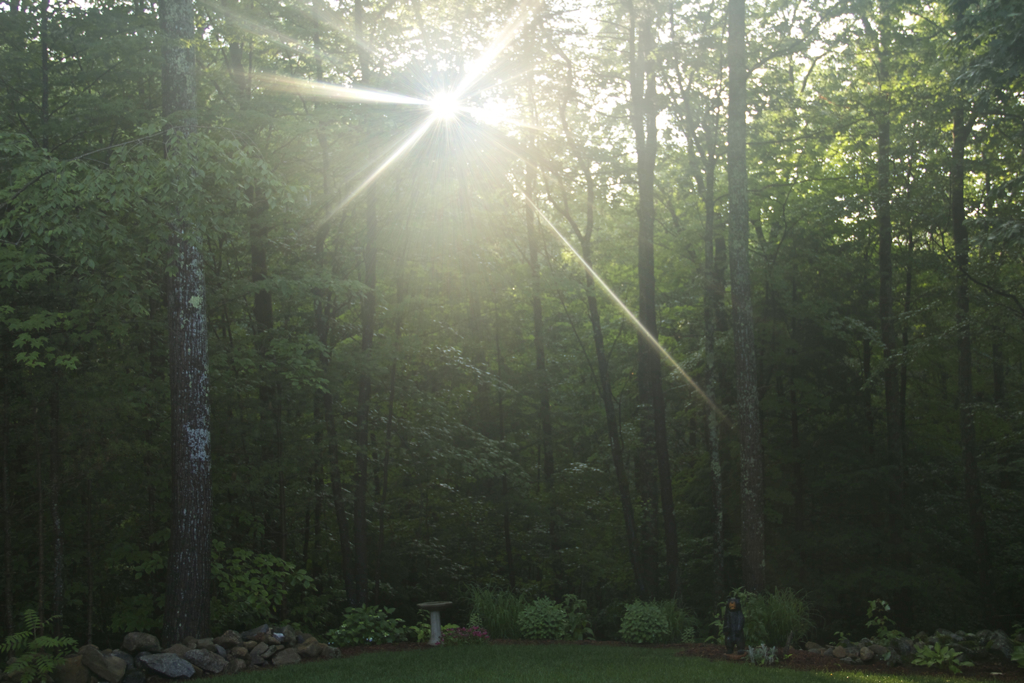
(445, 106)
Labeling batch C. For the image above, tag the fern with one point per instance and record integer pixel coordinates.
(33, 654)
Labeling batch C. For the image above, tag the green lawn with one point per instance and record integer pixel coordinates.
(547, 664)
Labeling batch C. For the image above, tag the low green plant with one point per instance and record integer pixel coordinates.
(543, 620)
(878, 618)
(577, 621)
(250, 587)
(368, 625)
(498, 611)
(31, 654)
(1018, 656)
(645, 622)
(940, 655)
(689, 635)
(762, 655)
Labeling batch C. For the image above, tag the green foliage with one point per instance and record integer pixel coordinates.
(251, 587)
(498, 611)
(645, 622)
(31, 654)
(878, 618)
(368, 625)
(682, 623)
(1018, 656)
(544, 619)
(577, 620)
(771, 617)
(762, 655)
(940, 655)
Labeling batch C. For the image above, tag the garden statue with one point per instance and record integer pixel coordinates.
(732, 626)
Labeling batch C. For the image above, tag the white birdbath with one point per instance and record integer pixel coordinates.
(435, 618)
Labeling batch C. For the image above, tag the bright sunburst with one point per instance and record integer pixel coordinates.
(445, 106)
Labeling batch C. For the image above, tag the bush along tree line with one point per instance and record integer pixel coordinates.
(272, 347)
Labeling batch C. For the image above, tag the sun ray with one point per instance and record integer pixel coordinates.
(342, 93)
(626, 310)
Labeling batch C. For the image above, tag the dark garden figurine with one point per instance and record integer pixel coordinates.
(733, 626)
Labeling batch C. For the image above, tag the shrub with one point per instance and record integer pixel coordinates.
(578, 623)
(762, 655)
(32, 660)
(498, 611)
(940, 655)
(645, 622)
(543, 620)
(367, 625)
(770, 617)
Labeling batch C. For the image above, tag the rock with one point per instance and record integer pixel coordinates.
(895, 660)
(1000, 642)
(839, 652)
(905, 647)
(219, 649)
(287, 635)
(134, 677)
(168, 664)
(289, 655)
(235, 665)
(249, 644)
(330, 652)
(259, 649)
(310, 647)
(106, 667)
(847, 660)
(255, 660)
(189, 642)
(811, 645)
(72, 670)
(866, 655)
(252, 633)
(272, 639)
(176, 649)
(228, 639)
(129, 661)
(239, 651)
(138, 662)
(204, 644)
(206, 660)
(879, 650)
(136, 641)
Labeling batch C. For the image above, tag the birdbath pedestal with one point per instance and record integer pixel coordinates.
(435, 618)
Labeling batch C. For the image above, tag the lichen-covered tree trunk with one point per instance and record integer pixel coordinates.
(748, 417)
(187, 607)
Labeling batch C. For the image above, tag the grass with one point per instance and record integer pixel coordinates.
(550, 664)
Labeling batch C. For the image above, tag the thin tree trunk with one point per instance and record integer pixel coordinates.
(965, 391)
(5, 437)
(56, 469)
(187, 604)
(751, 455)
(40, 609)
(90, 579)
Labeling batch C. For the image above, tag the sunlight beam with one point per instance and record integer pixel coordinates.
(625, 309)
(299, 86)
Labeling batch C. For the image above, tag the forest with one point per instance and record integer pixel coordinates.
(310, 304)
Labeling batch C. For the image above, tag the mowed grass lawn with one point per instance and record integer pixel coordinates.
(501, 663)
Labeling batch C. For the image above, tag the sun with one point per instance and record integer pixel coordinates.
(444, 106)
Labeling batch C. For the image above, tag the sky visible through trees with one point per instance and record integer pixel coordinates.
(631, 298)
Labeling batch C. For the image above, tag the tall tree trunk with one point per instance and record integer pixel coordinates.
(712, 303)
(56, 469)
(41, 538)
(187, 604)
(751, 455)
(5, 440)
(651, 399)
(90, 585)
(965, 391)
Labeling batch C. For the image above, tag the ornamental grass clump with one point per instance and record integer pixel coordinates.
(465, 635)
(645, 622)
(497, 610)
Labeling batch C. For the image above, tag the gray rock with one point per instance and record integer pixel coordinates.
(866, 655)
(310, 647)
(176, 649)
(168, 665)
(189, 642)
(239, 651)
(235, 665)
(106, 667)
(894, 660)
(847, 660)
(72, 670)
(1001, 643)
(255, 660)
(259, 649)
(138, 662)
(137, 641)
(129, 661)
(252, 633)
(330, 652)
(905, 647)
(839, 652)
(811, 645)
(228, 639)
(880, 650)
(288, 635)
(249, 644)
(134, 677)
(219, 649)
(204, 644)
(206, 660)
(289, 655)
